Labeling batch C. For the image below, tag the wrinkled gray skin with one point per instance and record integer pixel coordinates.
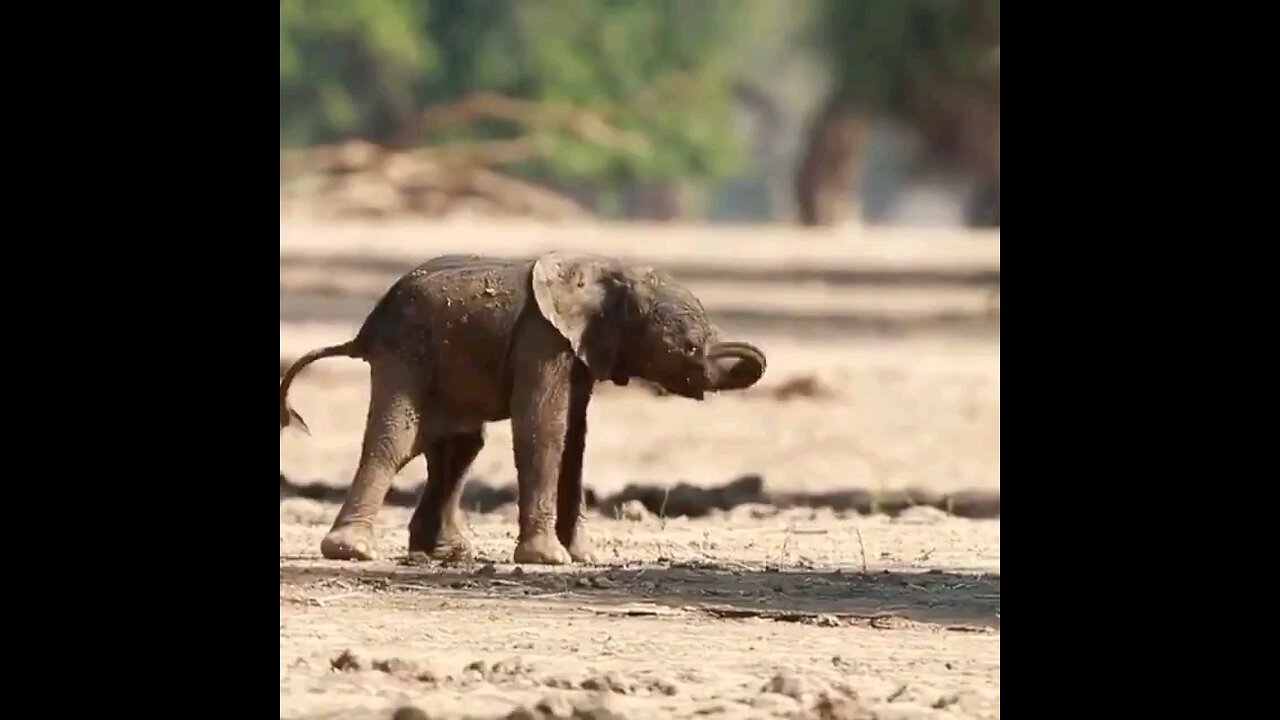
(465, 340)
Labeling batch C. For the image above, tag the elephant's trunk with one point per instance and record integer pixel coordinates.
(734, 366)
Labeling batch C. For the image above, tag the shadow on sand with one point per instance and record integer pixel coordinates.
(957, 600)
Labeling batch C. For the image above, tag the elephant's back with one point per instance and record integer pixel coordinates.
(456, 314)
(468, 293)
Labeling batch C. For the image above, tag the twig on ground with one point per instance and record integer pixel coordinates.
(413, 586)
(800, 616)
(637, 610)
(323, 601)
(862, 548)
(662, 510)
(782, 552)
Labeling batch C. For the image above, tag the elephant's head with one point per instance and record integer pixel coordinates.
(625, 322)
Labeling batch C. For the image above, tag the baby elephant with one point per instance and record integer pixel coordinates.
(464, 340)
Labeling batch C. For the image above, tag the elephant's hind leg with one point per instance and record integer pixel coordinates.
(436, 527)
(391, 439)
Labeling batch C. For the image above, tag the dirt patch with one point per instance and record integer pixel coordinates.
(732, 616)
(803, 386)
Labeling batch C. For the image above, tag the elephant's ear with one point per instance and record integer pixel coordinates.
(581, 297)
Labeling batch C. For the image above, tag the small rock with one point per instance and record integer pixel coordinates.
(435, 672)
(346, 662)
(921, 515)
(597, 707)
(776, 705)
(633, 510)
(840, 708)
(555, 706)
(803, 386)
(609, 682)
(788, 684)
(792, 686)
(524, 713)
(509, 667)
(486, 570)
(665, 687)
(559, 681)
(517, 572)
(409, 712)
(394, 665)
(415, 558)
(603, 581)
(753, 511)
(945, 701)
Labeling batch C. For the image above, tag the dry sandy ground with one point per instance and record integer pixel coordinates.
(750, 613)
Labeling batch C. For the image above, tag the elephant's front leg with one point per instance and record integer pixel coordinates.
(539, 416)
(570, 527)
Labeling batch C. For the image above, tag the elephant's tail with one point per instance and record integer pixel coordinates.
(288, 416)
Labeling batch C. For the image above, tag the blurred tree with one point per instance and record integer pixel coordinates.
(658, 68)
(349, 68)
(934, 64)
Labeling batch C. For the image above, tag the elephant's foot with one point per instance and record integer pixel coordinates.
(448, 545)
(350, 542)
(583, 550)
(542, 549)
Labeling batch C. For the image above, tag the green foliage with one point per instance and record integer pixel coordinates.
(658, 68)
(348, 68)
(653, 67)
(881, 49)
